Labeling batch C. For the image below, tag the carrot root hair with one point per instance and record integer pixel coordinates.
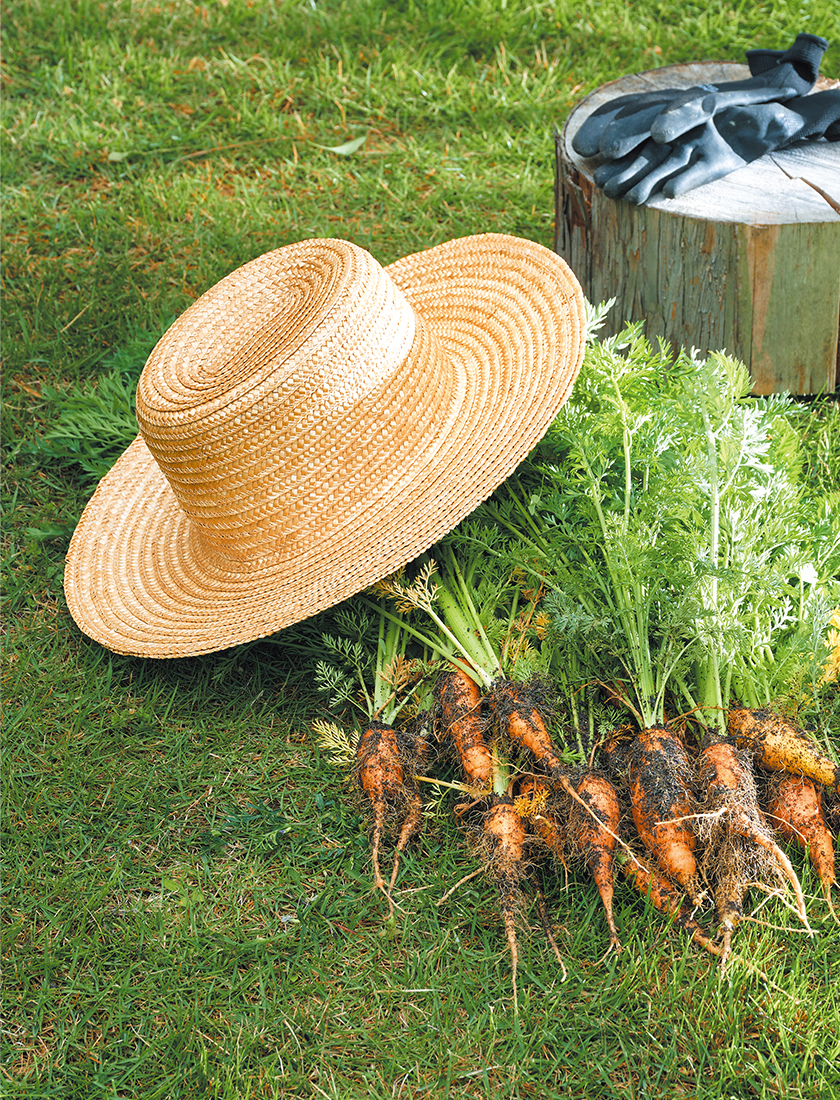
(733, 827)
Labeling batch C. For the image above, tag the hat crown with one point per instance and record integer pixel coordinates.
(246, 401)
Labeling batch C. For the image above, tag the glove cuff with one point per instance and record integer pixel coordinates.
(820, 113)
(762, 61)
(804, 57)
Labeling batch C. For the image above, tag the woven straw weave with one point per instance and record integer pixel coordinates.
(312, 423)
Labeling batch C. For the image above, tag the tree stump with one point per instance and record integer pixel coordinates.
(749, 263)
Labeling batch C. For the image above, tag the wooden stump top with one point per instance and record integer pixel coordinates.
(801, 184)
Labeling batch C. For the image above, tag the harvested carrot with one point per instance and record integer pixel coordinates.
(500, 839)
(659, 773)
(519, 709)
(381, 776)
(795, 809)
(459, 704)
(595, 836)
(585, 825)
(504, 843)
(666, 898)
(410, 827)
(781, 745)
(725, 857)
(739, 845)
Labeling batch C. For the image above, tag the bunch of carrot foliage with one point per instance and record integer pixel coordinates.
(605, 661)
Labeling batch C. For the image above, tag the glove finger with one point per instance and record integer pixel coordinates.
(804, 56)
(616, 177)
(625, 134)
(652, 181)
(673, 121)
(696, 175)
(587, 140)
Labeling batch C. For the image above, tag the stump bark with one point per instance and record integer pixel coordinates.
(749, 264)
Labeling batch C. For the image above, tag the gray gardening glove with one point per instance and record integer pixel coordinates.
(794, 74)
(731, 139)
(621, 125)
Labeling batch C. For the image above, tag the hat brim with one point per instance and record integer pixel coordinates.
(511, 315)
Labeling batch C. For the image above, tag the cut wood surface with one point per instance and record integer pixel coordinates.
(749, 263)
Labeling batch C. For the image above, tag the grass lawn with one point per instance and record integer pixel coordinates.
(186, 907)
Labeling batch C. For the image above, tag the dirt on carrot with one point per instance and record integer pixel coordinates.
(781, 745)
(521, 710)
(660, 775)
(385, 770)
(739, 846)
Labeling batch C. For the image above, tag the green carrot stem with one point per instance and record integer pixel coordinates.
(500, 773)
(433, 642)
(537, 535)
(456, 655)
(626, 440)
(468, 617)
(386, 645)
(457, 628)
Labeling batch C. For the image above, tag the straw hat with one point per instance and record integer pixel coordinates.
(312, 423)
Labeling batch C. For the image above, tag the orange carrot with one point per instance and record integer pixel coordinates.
(581, 817)
(504, 841)
(595, 835)
(659, 773)
(459, 702)
(410, 826)
(721, 777)
(380, 775)
(781, 745)
(518, 709)
(666, 898)
(739, 844)
(795, 809)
